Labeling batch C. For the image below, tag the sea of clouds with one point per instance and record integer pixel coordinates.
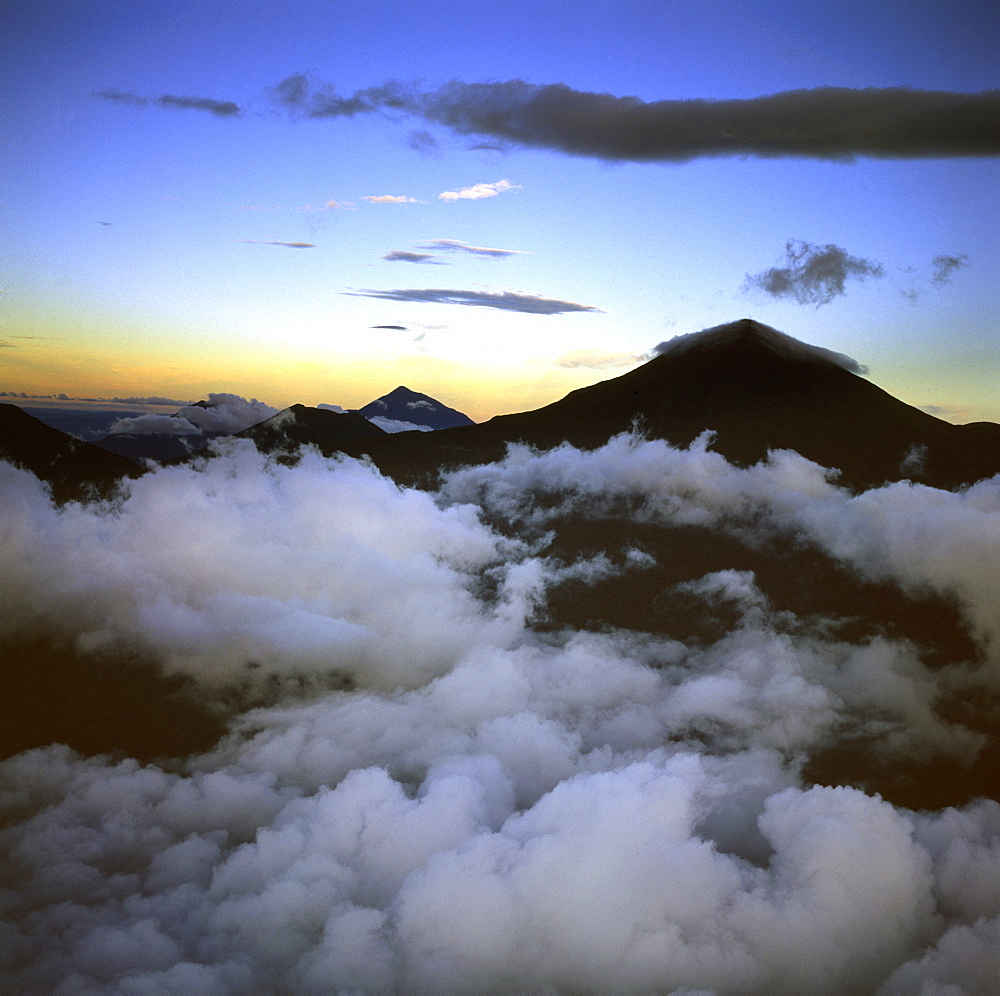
(439, 795)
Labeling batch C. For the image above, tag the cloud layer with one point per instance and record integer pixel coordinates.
(486, 807)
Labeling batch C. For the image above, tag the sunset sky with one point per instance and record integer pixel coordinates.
(317, 201)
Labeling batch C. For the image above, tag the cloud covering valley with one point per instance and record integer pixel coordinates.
(432, 784)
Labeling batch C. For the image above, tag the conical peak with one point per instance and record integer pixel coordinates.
(746, 332)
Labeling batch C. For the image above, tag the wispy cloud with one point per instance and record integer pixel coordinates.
(287, 245)
(7, 344)
(478, 191)
(945, 266)
(813, 274)
(219, 108)
(328, 206)
(389, 199)
(423, 141)
(121, 97)
(504, 301)
(597, 359)
(402, 256)
(454, 245)
(942, 268)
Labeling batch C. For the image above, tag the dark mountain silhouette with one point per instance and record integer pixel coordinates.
(299, 425)
(405, 405)
(757, 389)
(74, 469)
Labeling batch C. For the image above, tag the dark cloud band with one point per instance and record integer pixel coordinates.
(839, 123)
(822, 123)
(504, 301)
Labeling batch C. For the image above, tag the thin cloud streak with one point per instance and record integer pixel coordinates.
(389, 199)
(597, 359)
(455, 245)
(219, 108)
(504, 301)
(287, 245)
(404, 256)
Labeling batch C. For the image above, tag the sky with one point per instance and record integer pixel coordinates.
(491, 203)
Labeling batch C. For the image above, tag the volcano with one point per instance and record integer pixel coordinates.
(757, 390)
(404, 405)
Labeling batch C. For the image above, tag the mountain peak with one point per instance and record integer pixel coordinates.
(749, 333)
(404, 405)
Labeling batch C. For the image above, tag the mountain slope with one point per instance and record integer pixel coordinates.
(300, 425)
(74, 469)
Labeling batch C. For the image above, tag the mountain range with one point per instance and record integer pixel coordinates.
(754, 388)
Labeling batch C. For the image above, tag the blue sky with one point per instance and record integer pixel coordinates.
(164, 247)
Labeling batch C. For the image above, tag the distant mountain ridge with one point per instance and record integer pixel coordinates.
(178, 439)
